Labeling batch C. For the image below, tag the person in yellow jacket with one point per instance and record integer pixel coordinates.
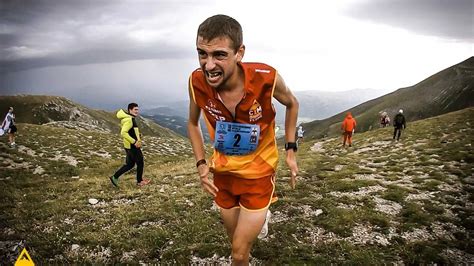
(132, 144)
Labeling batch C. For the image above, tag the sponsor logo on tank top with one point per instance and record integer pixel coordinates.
(255, 112)
(211, 109)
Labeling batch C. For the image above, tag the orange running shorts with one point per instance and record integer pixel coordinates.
(250, 194)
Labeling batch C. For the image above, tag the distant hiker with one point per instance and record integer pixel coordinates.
(8, 127)
(132, 144)
(384, 120)
(235, 98)
(348, 127)
(398, 124)
(300, 134)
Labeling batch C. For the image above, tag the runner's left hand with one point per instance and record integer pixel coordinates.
(291, 162)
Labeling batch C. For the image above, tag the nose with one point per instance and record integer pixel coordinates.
(210, 64)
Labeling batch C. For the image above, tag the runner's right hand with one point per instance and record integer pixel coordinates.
(206, 184)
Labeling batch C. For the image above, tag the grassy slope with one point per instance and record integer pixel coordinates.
(449, 90)
(30, 108)
(41, 109)
(381, 201)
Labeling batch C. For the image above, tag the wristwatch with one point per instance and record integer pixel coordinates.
(200, 162)
(291, 145)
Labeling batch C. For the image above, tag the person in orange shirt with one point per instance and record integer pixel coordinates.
(236, 99)
(348, 127)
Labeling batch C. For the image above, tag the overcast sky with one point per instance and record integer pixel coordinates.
(115, 51)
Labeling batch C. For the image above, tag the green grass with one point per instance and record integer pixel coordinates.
(423, 253)
(395, 193)
(413, 215)
(433, 208)
(171, 220)
(345, 186)
(431, 185)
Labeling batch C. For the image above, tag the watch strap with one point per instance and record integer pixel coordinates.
(200, 162)
(291, 145)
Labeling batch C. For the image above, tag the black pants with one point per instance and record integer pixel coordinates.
(134, 156)
(13, 129)
(397, 132)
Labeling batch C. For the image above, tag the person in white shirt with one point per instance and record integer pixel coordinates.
(300, 134)
(8, 126)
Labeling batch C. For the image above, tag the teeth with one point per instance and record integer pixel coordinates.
(215, 74)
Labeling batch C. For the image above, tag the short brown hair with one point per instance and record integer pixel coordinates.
(221, 26)
(131, 106)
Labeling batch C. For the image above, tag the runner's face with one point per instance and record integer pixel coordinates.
(134, 111)
(218, 60)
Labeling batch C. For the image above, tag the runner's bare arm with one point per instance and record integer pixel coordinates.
(283, 94)
(197, 142)
(194, 129)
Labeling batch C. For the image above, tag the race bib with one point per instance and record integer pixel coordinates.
(236, 138)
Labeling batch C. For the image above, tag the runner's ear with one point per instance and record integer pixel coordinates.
(240, 53)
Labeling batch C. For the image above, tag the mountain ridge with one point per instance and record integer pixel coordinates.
(448, 90)
(62, 112)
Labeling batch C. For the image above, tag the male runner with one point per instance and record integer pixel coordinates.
(236, 99)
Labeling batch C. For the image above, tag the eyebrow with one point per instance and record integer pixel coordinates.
(214, 52)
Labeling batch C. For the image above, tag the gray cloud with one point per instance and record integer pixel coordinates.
(39, 33)
(149, 82)
(97, 54)
(451, 19)
(104, 52)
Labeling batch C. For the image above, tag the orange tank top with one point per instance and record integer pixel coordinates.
(255, 108)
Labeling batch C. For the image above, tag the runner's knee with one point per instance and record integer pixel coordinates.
(239, 257)
(240, 249)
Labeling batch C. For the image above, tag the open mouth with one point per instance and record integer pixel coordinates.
(213, 76)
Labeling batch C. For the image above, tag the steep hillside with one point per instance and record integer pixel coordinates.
(62, 112)
(449, 90)
(379, 202)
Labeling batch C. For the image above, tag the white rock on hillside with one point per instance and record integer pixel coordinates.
(93, 201)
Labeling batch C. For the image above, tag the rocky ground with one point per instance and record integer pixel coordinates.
(380, 201)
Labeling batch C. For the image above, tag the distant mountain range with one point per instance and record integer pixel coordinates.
(449, 90)
(313, 105)
(322, 104)
(179, 109)
(446, 91)
(176, 123)
(62, 112)
(174, 118)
